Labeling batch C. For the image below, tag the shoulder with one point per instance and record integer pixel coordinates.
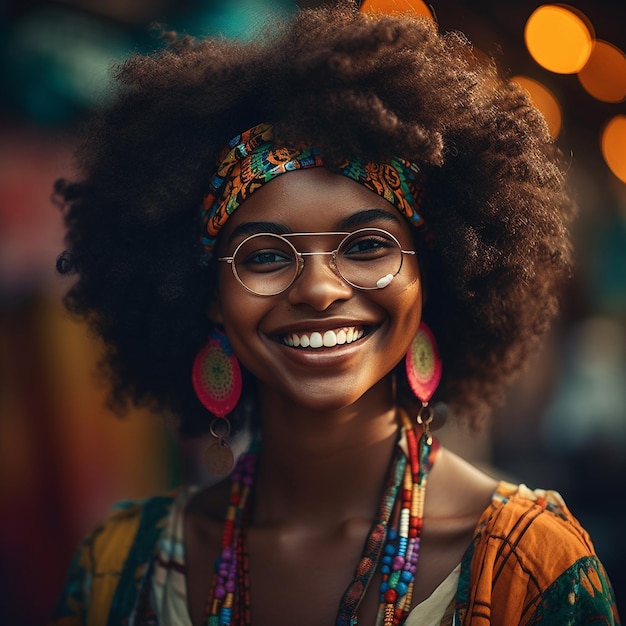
(525, 520)
(130, 527)
(530, 556)
(113, 557)
(122, 523)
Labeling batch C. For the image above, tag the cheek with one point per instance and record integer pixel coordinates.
(408, 312)
(232, 307)
(231, 297)
(242, 340)
(241, 316)
(415, 287)
(409, 318)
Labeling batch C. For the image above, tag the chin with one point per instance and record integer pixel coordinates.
(331, 396)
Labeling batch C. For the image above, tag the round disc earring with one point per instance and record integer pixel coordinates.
(423, 371)
(216, 378)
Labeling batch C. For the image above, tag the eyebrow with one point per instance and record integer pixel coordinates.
(367, 216)
(253, 228)
(352, 221)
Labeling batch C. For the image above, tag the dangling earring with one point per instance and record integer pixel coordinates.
(216, 378)
(423, 371)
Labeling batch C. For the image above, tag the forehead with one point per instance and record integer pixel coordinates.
(310, 200)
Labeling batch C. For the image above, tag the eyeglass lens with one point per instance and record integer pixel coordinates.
(267, 264)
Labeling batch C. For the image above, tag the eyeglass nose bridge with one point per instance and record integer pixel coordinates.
(332, 264)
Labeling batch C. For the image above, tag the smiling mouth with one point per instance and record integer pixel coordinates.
(326, 339)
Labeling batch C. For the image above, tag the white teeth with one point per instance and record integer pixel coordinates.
(329, 339)
(316, 340)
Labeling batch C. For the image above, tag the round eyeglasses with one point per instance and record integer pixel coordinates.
(267, 264)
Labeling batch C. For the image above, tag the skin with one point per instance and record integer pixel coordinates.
(329, 419)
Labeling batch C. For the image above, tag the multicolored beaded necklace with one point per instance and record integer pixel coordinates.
(393, 540)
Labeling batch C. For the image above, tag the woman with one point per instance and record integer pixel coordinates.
(384, 222)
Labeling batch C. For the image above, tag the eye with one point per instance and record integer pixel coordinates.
(265, 257)
(368, 246)
(265, 260)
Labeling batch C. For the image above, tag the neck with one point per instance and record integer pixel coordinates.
(339, 458)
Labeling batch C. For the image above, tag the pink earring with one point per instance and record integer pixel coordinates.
(216, 378)
(423, 371)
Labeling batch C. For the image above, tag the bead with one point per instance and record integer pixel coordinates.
(388, 618)
(378, 533)
(364, 566)
(394, 536)
(225, 617)
(404, 521)
(391, 596)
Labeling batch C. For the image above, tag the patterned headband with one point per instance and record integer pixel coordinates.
(251, 159)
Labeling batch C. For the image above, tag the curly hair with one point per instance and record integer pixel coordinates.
(497, 212)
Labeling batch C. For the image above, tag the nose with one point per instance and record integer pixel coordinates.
(319, 285)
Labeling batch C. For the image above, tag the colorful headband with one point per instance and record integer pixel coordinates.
(251, 159)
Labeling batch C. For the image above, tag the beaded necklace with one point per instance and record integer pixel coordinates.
(393, 541)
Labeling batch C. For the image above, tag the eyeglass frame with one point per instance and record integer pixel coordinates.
(300, 256)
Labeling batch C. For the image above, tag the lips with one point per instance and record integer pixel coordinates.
(324, 339)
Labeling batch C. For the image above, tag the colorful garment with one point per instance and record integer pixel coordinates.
(530, 563)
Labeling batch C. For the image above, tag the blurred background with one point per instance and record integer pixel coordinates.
(65, 458)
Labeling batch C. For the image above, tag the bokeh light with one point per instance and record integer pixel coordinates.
(604, 74)
(545, 101)
(613, 142)
(396, 6)
(559, 38)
